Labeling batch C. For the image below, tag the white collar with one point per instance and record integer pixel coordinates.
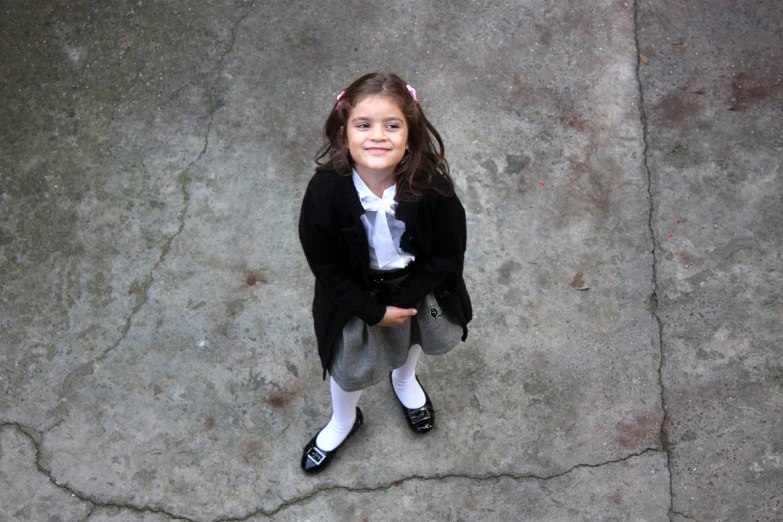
(365, 192)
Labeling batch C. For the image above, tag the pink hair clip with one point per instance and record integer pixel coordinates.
(339, 103)
(413, 93)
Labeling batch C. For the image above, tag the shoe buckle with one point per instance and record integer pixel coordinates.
(419, 415)
(316, 455)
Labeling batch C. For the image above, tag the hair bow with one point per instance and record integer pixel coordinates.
(413, 93)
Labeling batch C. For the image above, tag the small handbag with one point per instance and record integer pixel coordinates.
(439, 330)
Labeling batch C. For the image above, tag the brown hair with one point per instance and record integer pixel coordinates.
(421, 168)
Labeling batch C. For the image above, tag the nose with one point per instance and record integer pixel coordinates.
(378, 133)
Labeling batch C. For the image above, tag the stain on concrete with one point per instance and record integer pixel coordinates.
(285, 395)
(686, 257)
(235, 307)
(573, 121)
(748, 88)
(689, 436)
(99, 289)
(254, 278)
(673, 110)
(507, 271)
(491, 167)
(510, 179)
(643, 432)
(47, 229)
(578, 282)
(145, 477)
(252, 451)
(513, 297)
(704, 355)
(279, 399)
(602, 176)
(535, 387)
(771, 211)
(75, 379)
(5, 237)
(515, 164)
(697, 279)
(734, 246)
(544, 34)
(195, 306)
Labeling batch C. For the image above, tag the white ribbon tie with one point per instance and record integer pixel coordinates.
(383, 242)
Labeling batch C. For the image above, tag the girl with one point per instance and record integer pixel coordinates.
(384, 234)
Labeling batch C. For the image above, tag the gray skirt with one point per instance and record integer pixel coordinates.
(364, 355)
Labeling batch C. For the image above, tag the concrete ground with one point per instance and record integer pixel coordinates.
(620, 163)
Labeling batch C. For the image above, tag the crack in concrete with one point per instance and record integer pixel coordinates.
(92, 503)
(684, 516)
(527, 476)
(31, 433)
(36, 439)
(184, 180)
(53, 426)
(654, 301)
(89, 515)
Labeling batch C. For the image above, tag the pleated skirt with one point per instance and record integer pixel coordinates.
(364, 355)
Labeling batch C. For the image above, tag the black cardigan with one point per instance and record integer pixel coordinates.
(335, 244)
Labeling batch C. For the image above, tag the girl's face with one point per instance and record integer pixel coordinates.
(377, 136)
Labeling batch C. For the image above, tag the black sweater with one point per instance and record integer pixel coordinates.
(335, 244)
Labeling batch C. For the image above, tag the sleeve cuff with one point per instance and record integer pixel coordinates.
(373, 316)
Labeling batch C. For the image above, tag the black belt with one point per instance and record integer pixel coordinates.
(379, 277)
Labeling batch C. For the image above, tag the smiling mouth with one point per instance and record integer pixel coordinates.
(377, 150)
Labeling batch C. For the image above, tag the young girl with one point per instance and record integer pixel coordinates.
(384, 234)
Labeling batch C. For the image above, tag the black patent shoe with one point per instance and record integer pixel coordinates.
(314, 459)
(421, 420)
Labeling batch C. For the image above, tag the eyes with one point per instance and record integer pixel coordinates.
(389, 126)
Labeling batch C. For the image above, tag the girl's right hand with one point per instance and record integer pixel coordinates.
(395, 316)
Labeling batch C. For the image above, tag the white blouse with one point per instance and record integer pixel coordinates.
(383, 229)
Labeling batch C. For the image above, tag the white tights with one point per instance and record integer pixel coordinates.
(343, 416)
(344, 403)
(404, 381)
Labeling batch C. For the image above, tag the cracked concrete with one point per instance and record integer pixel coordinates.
(14, 452)
(301, 508)
(657, 465)
(679, 517)
(36, 497)
(184, 179)
(453, 497)
(713, 94)
(63, 277)
(654, 300)
(156, 351)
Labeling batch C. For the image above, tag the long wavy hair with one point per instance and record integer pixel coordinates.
(425, 164)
